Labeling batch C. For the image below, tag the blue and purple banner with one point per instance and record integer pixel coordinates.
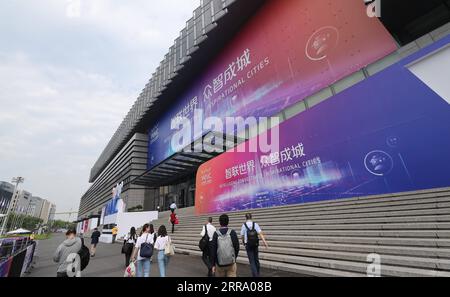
(389, 133)
(289, 50)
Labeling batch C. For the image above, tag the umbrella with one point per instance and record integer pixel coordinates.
(19, 231)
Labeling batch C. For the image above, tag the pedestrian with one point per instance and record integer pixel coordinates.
(71, 245)
(173, 219)
(94, 241)
(143, 251)
(114, 232)
(207, 235)
(128, 245)
(173, 206)
(225, 249)
(162, 241)
(152, 233)
(250, 233)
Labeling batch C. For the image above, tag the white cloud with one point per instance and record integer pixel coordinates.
(66, 83)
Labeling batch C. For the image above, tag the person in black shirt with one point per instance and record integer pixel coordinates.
(225, 249)
(94, 241)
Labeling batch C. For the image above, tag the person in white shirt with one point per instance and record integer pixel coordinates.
(160, 245)
(208, 230)
(250, 233)
(173, 206)
(143, 265)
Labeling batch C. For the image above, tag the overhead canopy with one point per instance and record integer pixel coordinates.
(186, 162)
(19, 231)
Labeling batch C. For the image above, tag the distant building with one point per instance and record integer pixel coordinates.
(47, 212)
(36, 206)
(51, 216)
(6, 192)
(26, 203)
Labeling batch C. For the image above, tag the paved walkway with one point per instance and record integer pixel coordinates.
(109, 262)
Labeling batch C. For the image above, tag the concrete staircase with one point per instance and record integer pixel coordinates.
(410, 231)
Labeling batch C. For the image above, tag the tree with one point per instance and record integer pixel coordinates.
(59, 224)
(16, 221)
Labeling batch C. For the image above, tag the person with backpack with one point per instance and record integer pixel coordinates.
(250, 233)
(144, 251)
(207, 235)
(72, 245)
(225, 249)
(163, 245)
(128, 245)
(94, 241)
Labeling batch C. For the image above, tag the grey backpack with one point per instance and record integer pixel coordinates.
(225, 249)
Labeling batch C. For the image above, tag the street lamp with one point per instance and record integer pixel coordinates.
(16, 181)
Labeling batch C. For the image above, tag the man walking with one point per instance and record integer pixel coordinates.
(207, 235)
(173, 207)
(94, 241)
(250, 233)
(71, 245)
(225, 249)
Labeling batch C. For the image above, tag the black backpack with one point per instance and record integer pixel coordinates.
(252, 236)
(85, 256)
(146, 249)
(203, 243)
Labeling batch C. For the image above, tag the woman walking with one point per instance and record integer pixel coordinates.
(173, 219)
(162, 241)
(129, 243)
(143, 250)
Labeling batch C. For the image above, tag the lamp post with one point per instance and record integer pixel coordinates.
(16, 181)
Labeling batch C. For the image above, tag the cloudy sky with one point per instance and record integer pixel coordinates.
(69, 72)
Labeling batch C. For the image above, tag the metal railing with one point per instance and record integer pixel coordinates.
(16, 256)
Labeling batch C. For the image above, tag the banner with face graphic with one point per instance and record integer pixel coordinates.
(387, 134)
(289, 50)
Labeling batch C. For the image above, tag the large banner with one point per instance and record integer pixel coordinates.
(5, 266)
(115, 205)
(289, 50)
(389, 133)
(28, 259)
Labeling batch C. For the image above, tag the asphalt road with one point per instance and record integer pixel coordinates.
(109, 262)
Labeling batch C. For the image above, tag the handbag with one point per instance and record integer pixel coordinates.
(124, 248)
(130, 271)
(146, 249)
(203, 243)
(169, 249)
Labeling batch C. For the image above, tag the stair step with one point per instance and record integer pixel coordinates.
(301, 221)
(423, 242)
(342, 265)
(293, 247)
(410, 232)
(293, 226)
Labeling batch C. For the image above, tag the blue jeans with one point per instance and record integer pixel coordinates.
(143, 268)
(163, 261)
(253, 258)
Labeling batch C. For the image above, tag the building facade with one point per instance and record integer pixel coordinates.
(26, 203)
(277, 59)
